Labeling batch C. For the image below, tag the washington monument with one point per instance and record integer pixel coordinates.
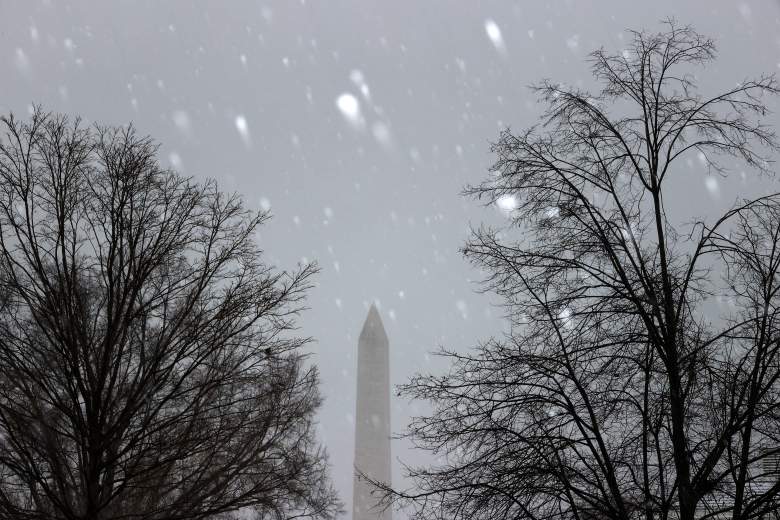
(372, 420)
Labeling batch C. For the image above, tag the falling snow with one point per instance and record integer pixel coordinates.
(381, 133)
(712, 186)
(175, 160)
(350, 108)
(359, 81)
(702, 159)
(507, 203)
(243, 129)
(494, 34)
(745, 11)
(22, 61)
(363, 131)
(565, 317)
(462, 309)
(182, 121)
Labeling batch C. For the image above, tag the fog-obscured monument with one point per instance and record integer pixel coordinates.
(372, 418)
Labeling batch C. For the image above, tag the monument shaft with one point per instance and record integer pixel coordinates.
(372, 418)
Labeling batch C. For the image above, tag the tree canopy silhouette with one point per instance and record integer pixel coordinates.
(622, 391)
(149, 367)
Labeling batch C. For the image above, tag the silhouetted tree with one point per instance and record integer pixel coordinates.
(622, 391)
(148, 364)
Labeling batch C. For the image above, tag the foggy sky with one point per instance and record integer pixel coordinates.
(367, 184)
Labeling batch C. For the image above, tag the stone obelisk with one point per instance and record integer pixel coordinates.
(372, 420)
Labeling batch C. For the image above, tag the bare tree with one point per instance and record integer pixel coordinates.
(149, 367)
(623, 390)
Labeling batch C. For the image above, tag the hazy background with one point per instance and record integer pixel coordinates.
(357, 123)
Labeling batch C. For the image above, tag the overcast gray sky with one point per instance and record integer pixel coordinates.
(357, 123)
